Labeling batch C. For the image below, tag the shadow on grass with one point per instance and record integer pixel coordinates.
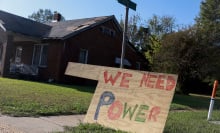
(89, 89)
(198, 102)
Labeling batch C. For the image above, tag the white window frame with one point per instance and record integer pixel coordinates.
(41, 52)
(138, 65)
(18, 54)
(86, 56)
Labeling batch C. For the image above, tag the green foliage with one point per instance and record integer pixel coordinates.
(23, 98)
(183, 53)
(148, 40)
(152, 49)
(192, 53)
(158, 28)
(208, 24)
(208, 21)
(43, 15)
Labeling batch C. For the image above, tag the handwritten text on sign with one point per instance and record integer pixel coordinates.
(134, 101)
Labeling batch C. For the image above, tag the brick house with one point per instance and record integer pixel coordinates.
(43, 50)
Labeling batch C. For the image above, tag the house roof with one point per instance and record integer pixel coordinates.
(66, 29)
(53, 30)
(17, 24)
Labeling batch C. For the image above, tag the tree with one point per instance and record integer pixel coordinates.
(137, 34)
(148, 39)
(193, 53)
(160, 26)
(183, 54)
(133, 28)
(43, 15)
(208, 24)
(208, 21)
(153, 48)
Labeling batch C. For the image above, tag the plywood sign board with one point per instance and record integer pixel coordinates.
(133, 101)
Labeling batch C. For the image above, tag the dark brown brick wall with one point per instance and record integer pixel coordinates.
(53, 63)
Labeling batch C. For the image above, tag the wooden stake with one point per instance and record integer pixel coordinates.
(212, 101)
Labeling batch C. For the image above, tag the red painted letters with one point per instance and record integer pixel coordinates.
(115, 110)
(170, 83)
(151, 80)
(125, 81)
(153, 113)
(109, 78)
(158, 81)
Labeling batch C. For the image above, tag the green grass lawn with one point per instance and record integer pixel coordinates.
(187, 114)
(25, 98)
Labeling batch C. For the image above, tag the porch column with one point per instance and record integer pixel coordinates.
(3, 39)
(8, 53)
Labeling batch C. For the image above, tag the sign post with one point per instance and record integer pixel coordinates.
(128, 4)
(133, 101)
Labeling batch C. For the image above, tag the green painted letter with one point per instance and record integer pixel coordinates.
(140, 116)
(131, 112)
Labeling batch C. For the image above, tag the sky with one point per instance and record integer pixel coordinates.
(184, 11)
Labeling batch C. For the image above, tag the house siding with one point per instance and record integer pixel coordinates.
(102, 50)
(52, 70)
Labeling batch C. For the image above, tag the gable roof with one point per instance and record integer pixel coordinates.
(53, 30)
(17, 24)
(66, 29)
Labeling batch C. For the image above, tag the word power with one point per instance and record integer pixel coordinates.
(124, 110)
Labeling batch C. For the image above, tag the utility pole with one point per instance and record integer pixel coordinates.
(128, 4)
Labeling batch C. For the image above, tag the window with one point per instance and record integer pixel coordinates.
(40, 55)
(107, 31)
(125, 62)
(138, 65)
(83, 56)
(18, 54)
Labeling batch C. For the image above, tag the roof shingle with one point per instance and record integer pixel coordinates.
(58, 30)
(22, 25)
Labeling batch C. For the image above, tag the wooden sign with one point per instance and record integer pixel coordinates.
(133, 101)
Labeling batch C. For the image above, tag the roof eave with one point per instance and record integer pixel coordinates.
(92, 26)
